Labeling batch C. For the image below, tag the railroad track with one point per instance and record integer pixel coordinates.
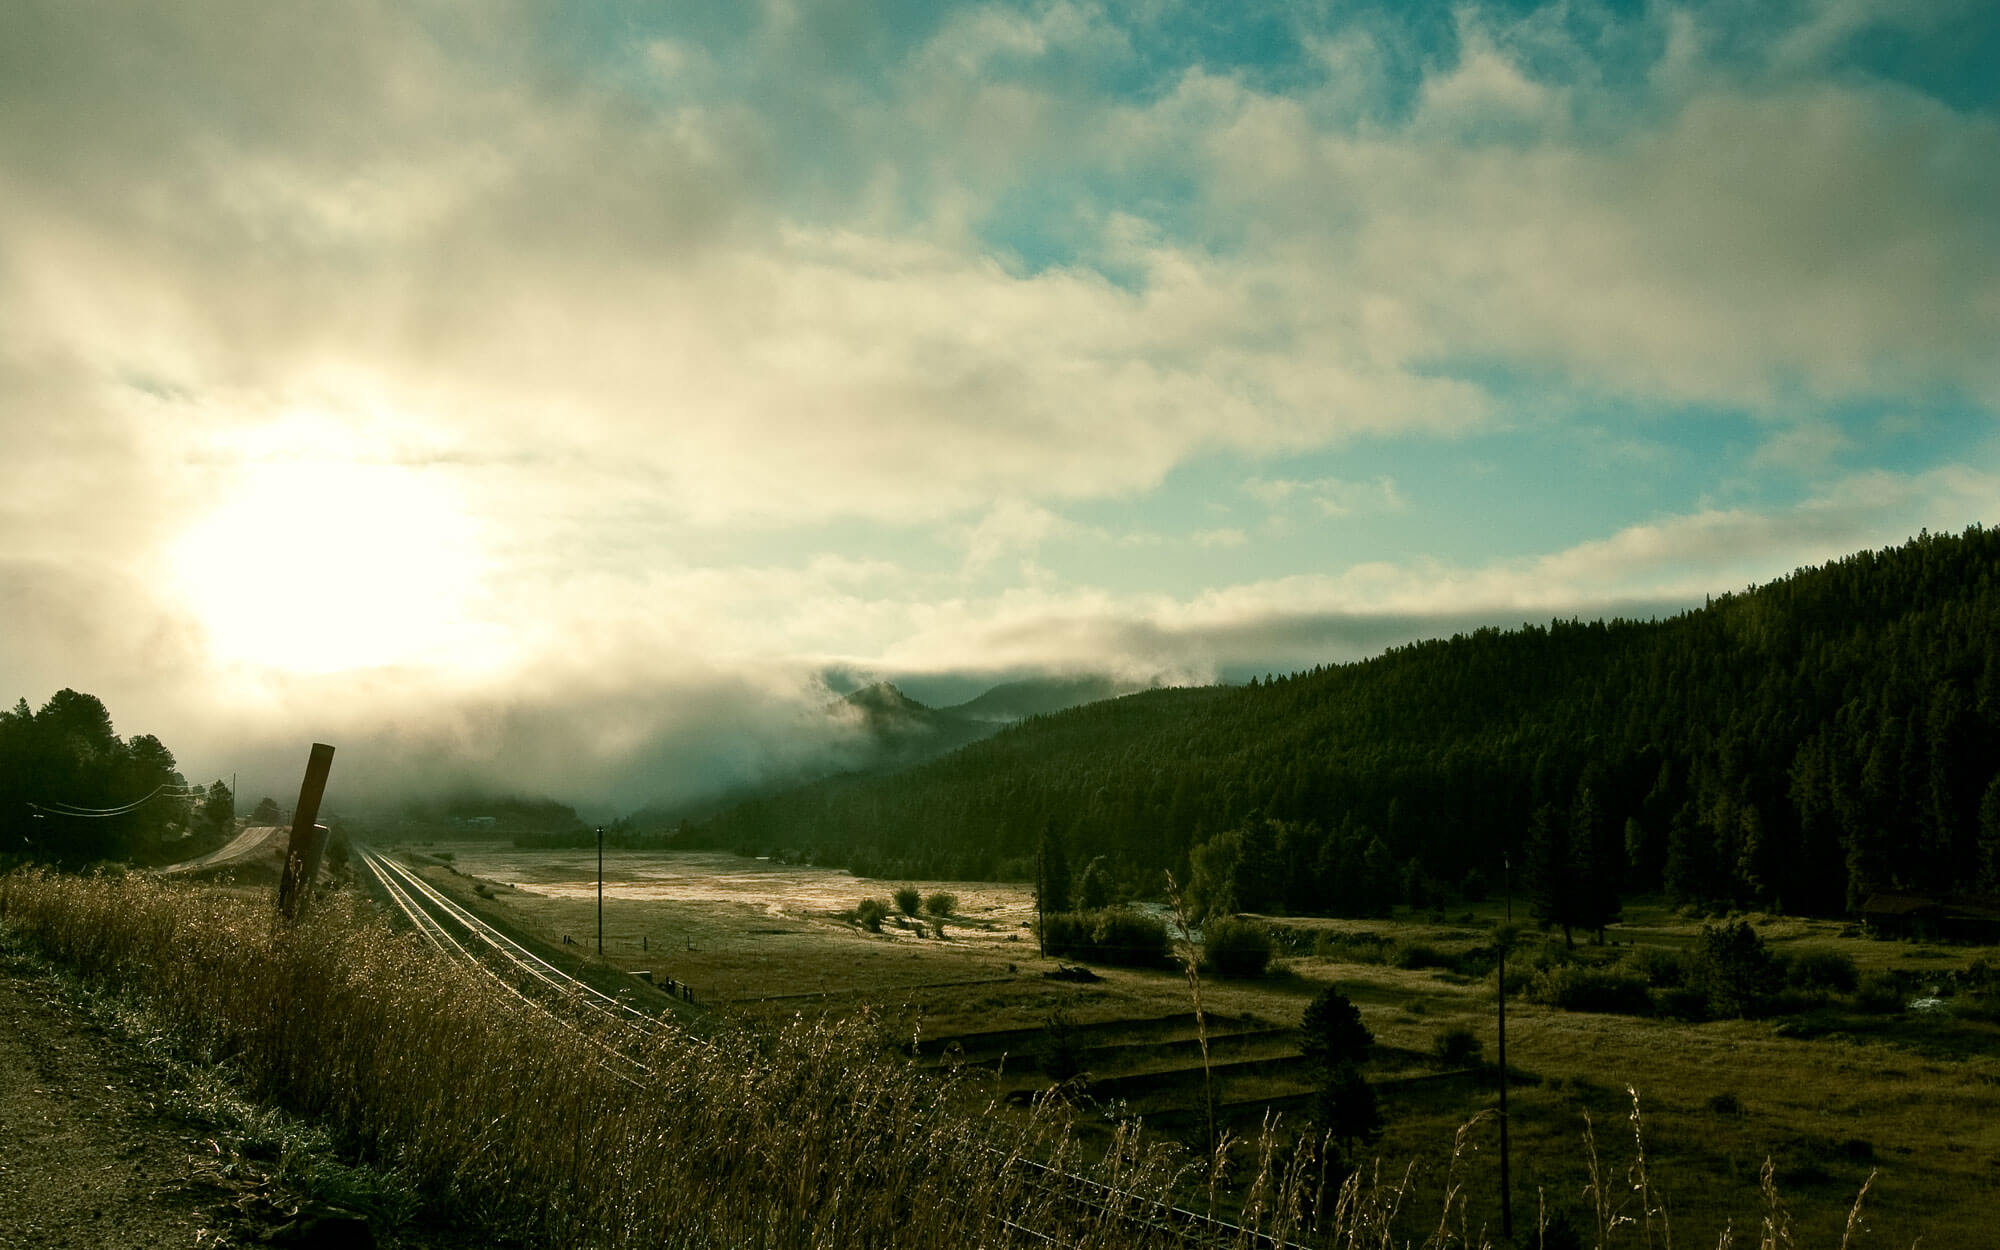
(463, 937)
(533, 982)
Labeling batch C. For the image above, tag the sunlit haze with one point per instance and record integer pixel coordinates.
(576, 400)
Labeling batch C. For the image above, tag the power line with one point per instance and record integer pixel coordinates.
(101, 813)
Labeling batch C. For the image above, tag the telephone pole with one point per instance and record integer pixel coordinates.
(1506, 937)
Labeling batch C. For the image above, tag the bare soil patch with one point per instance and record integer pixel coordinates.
(97, 1149)
(86, 1157)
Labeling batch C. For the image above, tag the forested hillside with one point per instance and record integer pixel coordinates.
(1795, 745)
(72, 791)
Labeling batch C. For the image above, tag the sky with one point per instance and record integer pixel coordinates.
(573, 399)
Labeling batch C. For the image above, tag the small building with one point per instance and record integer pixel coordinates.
(1973, 918)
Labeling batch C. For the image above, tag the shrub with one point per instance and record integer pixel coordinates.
(1824, 972)
(1456, 1047)
(871, 913)
(1354, 948)
(1134, 939)
(1094, 888)
(1235, 948)
(1879, 993)
(908, 900)
(941, 903)
(1060, 1047)
(1066, 933)
(1418, 955)
(1112, 936)
(1681, 1002)
(1982, 1007)
(1731, 965)
(1663, 968)
(1579, 987)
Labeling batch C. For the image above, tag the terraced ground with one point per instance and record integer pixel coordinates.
(1828, 1100)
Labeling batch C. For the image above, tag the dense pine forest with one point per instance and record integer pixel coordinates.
(73, 792)
(1795, 746)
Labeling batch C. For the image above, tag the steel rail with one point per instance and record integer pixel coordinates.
(1177, 1222)
(515, 953)
(431, 928)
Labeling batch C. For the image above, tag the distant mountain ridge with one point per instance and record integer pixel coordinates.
(1793, 746)
(1018, 700)
(905, 732)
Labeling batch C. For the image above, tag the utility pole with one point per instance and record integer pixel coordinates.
(600, 889)
(1041, 892)
(1506, 937)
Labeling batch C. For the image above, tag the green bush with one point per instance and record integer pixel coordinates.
(1132, 938)
(1982, 1007)
(1731, 965)
(1456, 1047)
(1354, 948)
(1236, 949)
(908, 900)
(941, 903)
(1060, 1048)
(1878, 993)
(1824, 972)
(1579, 987)
(1112, 936)
(1681, 1002)
(1418, 955)
(871, 913)
(1665, 969)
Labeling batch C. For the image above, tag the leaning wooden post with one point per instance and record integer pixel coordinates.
(299, 856)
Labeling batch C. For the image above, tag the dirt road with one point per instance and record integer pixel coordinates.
(86, 1158)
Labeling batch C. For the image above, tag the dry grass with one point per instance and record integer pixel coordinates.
(791, 1136)
(1890, 1091)
(800, 1136)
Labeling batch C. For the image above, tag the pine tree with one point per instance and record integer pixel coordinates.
(1335, 1043)
(1989, 838)
(1595, 862)
(1552, 872)
(1051, 872)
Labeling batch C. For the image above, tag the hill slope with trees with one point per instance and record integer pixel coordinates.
(73, 792)
(1796, 745)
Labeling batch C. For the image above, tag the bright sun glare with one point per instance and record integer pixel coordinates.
(312, 564)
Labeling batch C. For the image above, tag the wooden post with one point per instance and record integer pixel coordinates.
(300, 858)
(314, 854)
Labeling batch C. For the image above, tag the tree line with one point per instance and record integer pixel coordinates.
(1795, 746)
(73, 792)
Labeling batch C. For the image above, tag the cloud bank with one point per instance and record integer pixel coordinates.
(548, 397)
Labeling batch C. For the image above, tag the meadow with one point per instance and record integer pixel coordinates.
(1829, 1096)
(514, 1122)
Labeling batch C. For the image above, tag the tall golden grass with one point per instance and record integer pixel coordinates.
(800, 1137)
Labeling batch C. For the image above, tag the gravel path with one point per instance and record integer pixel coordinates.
(86, 1158)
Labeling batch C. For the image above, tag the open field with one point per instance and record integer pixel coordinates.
(1914, 1094)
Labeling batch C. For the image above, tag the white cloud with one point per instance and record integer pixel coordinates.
(1655, 567)
(1011, 527)
(602, 333)
(1330, 496)
(1806, 447)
